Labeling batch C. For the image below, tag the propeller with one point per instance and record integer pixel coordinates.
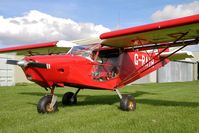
(12, 62)
(23, 63)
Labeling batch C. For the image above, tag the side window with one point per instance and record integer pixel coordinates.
(107, 67)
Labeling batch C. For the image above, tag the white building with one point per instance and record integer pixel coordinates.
(7, 72)
(175, 71)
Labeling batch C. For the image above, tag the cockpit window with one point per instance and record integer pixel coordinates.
(84, 50)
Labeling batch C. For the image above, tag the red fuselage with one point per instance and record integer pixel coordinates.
(112, 69)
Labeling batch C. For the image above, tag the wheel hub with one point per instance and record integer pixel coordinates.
(130, 105)
(49, 108)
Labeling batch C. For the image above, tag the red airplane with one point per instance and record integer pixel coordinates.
(120, 58)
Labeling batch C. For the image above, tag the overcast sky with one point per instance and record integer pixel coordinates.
(33, 21)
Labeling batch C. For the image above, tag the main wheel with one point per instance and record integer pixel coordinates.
(69, 99)
(43, 105)
(128, 103)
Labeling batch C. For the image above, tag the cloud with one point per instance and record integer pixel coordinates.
(36, 27)
(172, 11)
(182, 10)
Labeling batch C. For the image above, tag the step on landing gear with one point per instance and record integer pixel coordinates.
(48, 103)
(127, 102)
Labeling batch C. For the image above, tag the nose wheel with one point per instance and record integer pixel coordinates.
(47, 104)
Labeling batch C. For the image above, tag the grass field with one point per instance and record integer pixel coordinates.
(161, 108)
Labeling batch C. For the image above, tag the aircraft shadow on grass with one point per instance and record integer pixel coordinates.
(112, 99)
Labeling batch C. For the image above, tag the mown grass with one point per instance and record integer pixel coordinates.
(161, 108)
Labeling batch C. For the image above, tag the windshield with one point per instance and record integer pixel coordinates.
(84, 50)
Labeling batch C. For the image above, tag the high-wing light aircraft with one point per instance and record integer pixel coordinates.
(119, 58)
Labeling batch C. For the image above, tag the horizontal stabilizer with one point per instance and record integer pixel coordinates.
(180, 55)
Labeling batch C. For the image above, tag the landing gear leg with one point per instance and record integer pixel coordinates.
(70, 98)
(48, 103)
(54, 98)
(127, 102)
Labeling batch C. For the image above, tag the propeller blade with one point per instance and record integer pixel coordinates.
(23, 63)
(12, 62)
(39, 65)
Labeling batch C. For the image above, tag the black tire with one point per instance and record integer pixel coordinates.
(128, 103)
(43, 105)
(69, 98)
